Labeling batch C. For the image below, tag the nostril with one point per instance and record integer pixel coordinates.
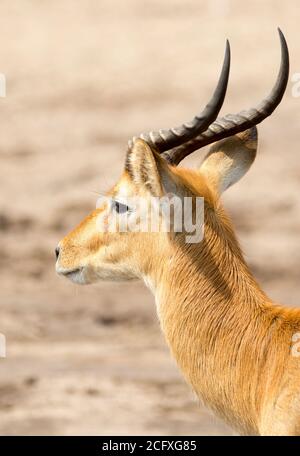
(57, 250)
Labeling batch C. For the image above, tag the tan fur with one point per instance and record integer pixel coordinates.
(232, 343)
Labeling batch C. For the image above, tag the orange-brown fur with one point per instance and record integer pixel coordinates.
(232, 343)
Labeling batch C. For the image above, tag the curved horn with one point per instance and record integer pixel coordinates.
(164, 140)
(232, 124)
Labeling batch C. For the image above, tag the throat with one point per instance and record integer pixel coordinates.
(209, 307)
(213, 282)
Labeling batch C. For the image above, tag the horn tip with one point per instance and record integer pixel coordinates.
(280, 31)
(227, 47)
(282, 39)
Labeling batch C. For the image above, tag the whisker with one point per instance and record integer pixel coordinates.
(101, 193)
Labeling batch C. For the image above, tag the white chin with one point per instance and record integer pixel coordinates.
(83, 276)
(77, 277)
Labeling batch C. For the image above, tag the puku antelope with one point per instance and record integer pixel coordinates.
(232, 343)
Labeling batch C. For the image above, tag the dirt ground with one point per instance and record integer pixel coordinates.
(82, 78)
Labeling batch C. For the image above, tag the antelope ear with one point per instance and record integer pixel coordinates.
(229, 159)
(149, 170)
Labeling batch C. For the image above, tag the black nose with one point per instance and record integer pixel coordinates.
(57, 250)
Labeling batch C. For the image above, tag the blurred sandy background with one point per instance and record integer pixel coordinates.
(82, 78)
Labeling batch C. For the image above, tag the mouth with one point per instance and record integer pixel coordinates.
(70, 273)
(75, 275)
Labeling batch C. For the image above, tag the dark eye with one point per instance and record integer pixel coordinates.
(119, 207)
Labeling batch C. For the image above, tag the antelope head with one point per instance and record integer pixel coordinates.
(92, 251)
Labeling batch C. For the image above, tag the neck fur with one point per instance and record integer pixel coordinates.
(218, 323)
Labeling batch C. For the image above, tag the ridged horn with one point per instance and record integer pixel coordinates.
(232, 124)
(163, 140)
